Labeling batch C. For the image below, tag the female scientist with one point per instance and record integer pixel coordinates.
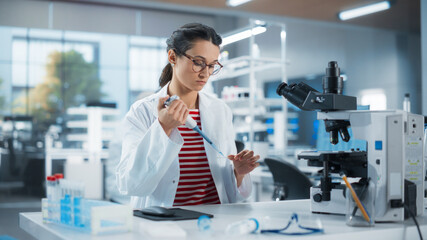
(164, 163)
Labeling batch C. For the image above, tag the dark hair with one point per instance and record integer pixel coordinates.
(183, 39)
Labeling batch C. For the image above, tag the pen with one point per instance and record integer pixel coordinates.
(357, 200)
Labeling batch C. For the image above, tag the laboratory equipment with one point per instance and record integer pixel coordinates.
(360, 206)
(169, 214)
(392, 161)
(242, 227)
(234, 93)
(190, 123)
(66, 206)
(51, 192)
(407, 103)
(158, 211)
(302, 230)
(263, 225)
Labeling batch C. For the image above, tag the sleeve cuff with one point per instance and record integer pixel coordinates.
(245, 188)
(175, 137)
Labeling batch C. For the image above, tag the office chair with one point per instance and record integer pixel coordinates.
(289, 182)
(239, 145)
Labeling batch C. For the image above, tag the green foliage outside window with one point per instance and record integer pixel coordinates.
(70, 81)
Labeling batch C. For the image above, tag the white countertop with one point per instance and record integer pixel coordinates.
(278, 213)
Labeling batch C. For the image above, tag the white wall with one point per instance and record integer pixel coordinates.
(99, 18)
(424, 53)
(371, 58)
(5, 65)
(113, 59)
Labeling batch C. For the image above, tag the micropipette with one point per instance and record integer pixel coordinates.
(190, 123)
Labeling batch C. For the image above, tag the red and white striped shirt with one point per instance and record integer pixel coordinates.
(196, 185)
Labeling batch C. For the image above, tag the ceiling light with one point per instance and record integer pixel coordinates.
(243, 34)
(365, 10)
(234, 3)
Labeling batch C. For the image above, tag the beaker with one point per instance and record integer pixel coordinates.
(355, 216)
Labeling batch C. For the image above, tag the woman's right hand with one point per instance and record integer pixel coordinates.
(173, 116)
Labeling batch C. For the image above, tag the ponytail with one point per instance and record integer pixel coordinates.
(166, 75)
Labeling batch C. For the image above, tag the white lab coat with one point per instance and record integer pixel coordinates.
(149, 166)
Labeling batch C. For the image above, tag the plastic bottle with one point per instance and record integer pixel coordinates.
(243, 227)
(50, 187)
(407, 103)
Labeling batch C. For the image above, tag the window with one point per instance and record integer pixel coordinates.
(375, 98)
(50, 74)
(147, 58)
(118, 68)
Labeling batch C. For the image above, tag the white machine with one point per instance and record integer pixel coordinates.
(393, 159)
(394, 154)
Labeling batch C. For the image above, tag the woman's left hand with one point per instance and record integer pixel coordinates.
(244, 162)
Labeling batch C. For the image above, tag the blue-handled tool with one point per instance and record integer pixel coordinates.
(190, 123)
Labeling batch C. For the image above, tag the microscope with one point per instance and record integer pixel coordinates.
(393, 160)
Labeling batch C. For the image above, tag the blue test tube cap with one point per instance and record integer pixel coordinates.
(204, 223)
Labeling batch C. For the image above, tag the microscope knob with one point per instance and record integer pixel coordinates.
(317, 197)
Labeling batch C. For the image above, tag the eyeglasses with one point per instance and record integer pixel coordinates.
(199, 65)
(294, 218)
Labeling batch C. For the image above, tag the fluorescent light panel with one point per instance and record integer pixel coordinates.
(234, 3)
(365, 10)
(242, 35)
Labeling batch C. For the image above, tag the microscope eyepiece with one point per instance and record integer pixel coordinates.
(295, 93)
(281, 88)
(332, 82)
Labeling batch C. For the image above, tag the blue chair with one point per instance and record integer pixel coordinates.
(239, 145)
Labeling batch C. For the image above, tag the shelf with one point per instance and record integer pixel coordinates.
(260, 128)
(77, 137)
(77, 124)
(84, 124)
(246, 111)
(83, 137)
(240, 66)
(240, 61)
(258, 102)
(239, 112)
(85, 111)
(246, 128)
(251, 113)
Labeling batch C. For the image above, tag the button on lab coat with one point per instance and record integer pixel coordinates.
(149, 166)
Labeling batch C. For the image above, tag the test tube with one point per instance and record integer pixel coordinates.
(50, 192)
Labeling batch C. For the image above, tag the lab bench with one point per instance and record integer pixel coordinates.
(278, 212)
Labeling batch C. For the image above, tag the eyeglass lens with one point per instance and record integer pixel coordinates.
(199, 65)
